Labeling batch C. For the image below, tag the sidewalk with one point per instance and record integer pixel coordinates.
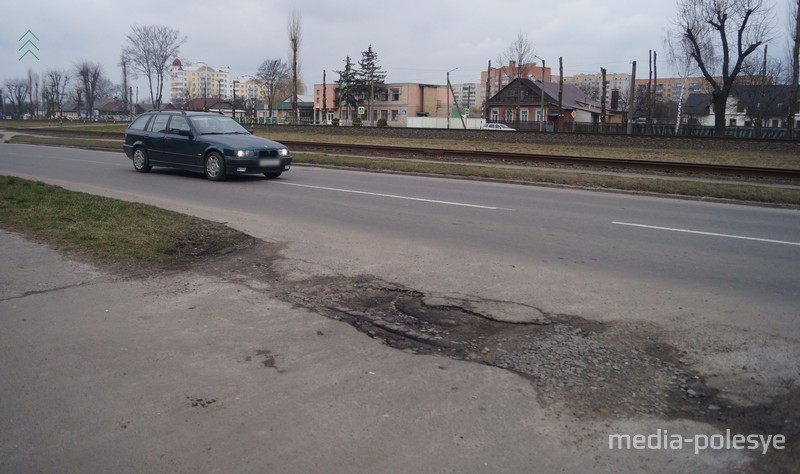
(191, 373)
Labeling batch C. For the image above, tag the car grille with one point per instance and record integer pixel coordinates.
(267, 153)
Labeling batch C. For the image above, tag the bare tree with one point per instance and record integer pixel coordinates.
(273, 73)
(149, 50)
(17, 90)
(295, 37)
(722, 34)
(679, 56)
(55, 90)
(88, 75)
(518, 54)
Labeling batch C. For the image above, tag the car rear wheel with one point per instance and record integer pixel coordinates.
(273, 175)
(215, 167)
(140, 161)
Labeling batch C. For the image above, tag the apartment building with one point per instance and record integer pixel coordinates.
(670, 89)
(466, 96)
(195, 80)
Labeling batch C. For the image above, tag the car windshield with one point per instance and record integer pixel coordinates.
(216, 125)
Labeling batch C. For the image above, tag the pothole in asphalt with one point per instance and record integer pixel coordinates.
(592, 370)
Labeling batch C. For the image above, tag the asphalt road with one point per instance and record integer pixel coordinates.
(591, 254)
(196, 373)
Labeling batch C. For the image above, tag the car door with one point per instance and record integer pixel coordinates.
(154, 142)
(180, 145)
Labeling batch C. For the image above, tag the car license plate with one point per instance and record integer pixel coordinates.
(269, 162)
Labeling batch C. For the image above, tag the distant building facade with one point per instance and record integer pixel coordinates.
(395, 103)
(191, 81)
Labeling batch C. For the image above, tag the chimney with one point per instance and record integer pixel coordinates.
(615, 99)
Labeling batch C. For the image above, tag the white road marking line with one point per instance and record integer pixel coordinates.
(712, 234)
(394, 196)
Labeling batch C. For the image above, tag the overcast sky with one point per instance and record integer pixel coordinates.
(415, 40)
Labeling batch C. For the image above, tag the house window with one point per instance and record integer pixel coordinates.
(495, 115)
(523, 115)
(385, 114)
(395, 94)
(538, 115)
(509, 115)
(739, 107)
(775, 123)
(394, 115)
(732, 122)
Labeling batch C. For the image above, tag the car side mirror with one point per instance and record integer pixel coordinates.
(250, 130)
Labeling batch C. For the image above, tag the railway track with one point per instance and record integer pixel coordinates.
(562, 161)
(783, 174)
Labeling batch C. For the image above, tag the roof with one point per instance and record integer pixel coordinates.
(773, 99)
(204, 103)
(573, 98)
(697, 104)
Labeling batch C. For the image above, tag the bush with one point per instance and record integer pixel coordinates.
(381, 122)
(357, 122)
(335, 122)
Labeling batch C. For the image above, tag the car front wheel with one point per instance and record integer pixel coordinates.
(273, 175)
(140, 161)
(215, 167)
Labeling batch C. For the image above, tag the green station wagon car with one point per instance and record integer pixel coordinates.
(205, 142)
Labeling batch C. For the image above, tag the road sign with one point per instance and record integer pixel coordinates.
(362, 110)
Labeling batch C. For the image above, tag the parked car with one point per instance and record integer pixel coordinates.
(497, 126)
(206, 142)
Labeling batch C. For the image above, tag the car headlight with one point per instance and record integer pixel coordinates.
(245, 153)
(283, 152)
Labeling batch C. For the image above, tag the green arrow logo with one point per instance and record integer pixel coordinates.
(29, 44)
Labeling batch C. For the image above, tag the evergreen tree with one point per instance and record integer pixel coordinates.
(347, 87)
(370, 77)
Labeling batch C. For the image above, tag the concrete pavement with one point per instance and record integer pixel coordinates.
(190, 373)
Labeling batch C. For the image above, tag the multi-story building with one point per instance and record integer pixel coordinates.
(666, 89)
(466, 96)
(593, 83)
(196, 80)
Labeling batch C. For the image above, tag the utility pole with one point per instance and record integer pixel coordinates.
(560, 92)
(631, 99)
(488, 91)
(324, 117)
(448, 97)
(541, 124)
(603, 100)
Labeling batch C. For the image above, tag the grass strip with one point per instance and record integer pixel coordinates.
(115, 145)
(108, 230)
